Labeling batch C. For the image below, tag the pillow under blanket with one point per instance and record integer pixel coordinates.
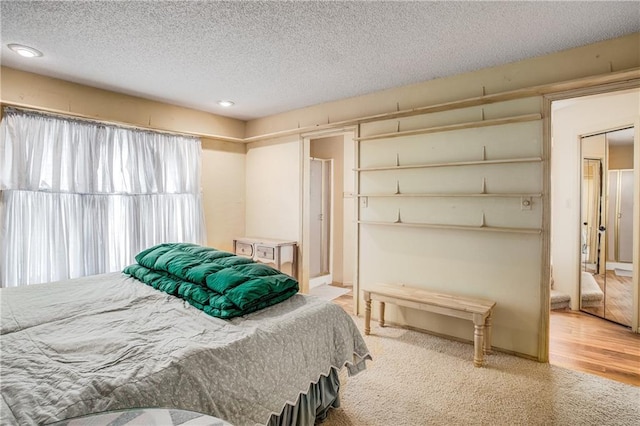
(217, 282)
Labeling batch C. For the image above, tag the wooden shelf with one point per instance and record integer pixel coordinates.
(452, 164)
(452, 195)
(455, 227)
(460, 126)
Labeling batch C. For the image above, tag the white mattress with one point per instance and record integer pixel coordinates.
(109, 342)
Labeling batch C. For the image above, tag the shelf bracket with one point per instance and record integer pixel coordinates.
(398, 128)
(483, 190)
(398, 220)
(484, 153)
(397, 187)
(482, 221)
(397, 159)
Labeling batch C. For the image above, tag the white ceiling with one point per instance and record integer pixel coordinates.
(274, 56)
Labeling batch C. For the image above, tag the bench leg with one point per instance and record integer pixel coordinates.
(367, 316)
(487, 335)
(381, 321)
(478, 344)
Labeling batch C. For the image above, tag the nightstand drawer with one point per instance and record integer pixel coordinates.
(266, 253)
(244, 249)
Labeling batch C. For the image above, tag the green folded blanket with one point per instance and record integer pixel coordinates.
(217, 282)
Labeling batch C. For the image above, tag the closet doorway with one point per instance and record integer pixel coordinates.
(607, 188)
(328, 210)
(320, 221)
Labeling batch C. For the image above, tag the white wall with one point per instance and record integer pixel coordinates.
(571, 119)
(273, 176)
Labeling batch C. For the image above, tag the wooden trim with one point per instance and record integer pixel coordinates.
(454, 227)
(451, 195)
(452, 164)
(545, 277)
(356, 259)
(623, 77)
(460, 126)
(620, 78)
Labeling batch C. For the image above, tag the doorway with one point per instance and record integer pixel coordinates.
(606, 286)
(582, 217)
(328, 227)
(320, 221)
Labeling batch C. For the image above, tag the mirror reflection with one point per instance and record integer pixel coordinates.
(607, 225)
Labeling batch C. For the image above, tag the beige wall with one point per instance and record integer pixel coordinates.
(223, 163)
(223, 192)
(32, 90)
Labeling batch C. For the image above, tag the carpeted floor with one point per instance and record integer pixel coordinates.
(419, 379)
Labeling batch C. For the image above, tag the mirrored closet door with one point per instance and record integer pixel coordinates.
(606, 263)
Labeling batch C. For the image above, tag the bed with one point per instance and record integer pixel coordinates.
(110, 342)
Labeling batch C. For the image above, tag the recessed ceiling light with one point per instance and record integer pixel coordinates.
(26, 51)
(225, 103)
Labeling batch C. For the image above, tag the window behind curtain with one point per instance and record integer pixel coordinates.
(80, 198)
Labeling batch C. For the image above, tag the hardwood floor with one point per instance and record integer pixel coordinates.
(617, 305)
(581, 342)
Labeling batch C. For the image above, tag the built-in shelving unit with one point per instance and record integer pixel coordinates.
(455, 227)
(460, 126)
(525, 198)
(451, 164)
(451, 195)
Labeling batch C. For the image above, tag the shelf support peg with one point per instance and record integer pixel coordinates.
(398, 220)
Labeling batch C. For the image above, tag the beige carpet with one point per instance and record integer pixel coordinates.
(419, 379)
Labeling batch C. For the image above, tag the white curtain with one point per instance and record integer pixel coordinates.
(82, 198)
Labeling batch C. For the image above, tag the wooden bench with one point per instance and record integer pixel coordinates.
(477, 310)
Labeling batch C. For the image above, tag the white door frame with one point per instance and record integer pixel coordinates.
(545, 290)
(305, 161)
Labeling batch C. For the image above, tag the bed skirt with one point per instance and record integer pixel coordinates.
(313, 406)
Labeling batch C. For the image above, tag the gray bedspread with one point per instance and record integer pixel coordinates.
(109, 342)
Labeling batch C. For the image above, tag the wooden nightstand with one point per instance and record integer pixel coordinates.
(270, 251)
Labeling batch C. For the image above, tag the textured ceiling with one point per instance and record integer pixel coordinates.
(272, 56)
